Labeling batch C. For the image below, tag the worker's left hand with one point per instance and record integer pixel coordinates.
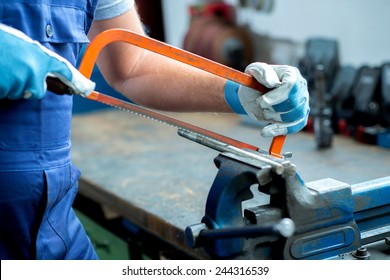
(286, 105)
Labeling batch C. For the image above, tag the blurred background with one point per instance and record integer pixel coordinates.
(359, 26)
(340, 47)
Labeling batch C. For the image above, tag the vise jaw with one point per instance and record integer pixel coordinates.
(324, 217)
(253, 212)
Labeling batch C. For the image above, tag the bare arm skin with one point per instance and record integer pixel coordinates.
(153, 80)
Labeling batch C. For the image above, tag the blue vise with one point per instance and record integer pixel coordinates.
(253, 212)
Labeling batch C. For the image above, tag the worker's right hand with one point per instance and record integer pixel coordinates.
(25, 64)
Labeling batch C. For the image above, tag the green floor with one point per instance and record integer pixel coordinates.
(107, 245)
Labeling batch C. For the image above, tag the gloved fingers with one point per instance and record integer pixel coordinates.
(286, 97)
(286, 104)
(264, 74)
(35, 88)
(81, 84)
(274, 129)
(78, 83)
(287, 74)
(290, 110)
(23, 85)
(5, 88)
(69, 75)
(280, 92)
(297, 113)
(33, 93)
(277, 129)
(13, 91)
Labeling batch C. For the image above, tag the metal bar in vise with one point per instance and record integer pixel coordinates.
(213, 143)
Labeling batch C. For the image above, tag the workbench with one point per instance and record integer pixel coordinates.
(146, 173)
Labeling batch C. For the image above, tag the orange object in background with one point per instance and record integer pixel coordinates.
(214, 34)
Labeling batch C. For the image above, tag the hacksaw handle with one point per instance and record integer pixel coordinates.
(121, 35)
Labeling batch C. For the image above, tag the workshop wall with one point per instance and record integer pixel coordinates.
(360, 26)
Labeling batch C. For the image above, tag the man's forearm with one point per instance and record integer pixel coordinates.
(166, 84)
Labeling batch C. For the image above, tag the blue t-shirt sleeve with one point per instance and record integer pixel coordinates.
(107, 9)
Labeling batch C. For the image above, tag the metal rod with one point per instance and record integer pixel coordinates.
(223, 147)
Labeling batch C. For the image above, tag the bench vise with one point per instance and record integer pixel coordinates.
(254, 212)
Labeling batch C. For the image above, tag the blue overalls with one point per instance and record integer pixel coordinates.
(38, 182)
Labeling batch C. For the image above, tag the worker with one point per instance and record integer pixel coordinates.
(38, 182)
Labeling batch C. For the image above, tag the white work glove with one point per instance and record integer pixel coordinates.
(25, 64)
(286, 105)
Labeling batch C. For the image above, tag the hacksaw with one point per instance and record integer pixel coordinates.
(120, 35)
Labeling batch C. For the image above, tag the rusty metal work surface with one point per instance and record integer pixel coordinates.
(147, 173)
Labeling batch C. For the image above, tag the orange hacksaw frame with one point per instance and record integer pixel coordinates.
(121, 35)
